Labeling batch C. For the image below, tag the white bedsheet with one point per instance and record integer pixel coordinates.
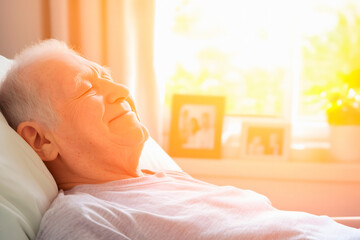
(172, 205)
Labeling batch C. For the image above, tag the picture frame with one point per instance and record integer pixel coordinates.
(265, 141)
(196, 126)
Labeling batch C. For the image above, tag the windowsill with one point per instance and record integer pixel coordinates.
(309, 159)
(301, 151)
(275, 170)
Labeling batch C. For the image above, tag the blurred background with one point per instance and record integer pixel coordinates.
(290, 60)
(294, 61)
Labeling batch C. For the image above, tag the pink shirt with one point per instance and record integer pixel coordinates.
(173, 205)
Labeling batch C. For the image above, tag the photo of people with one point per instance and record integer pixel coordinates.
(196, 126)
(265, 141)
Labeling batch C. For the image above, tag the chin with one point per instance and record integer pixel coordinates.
(129, 131)
(137, 137)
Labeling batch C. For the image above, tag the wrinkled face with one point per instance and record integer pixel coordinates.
(99, 131)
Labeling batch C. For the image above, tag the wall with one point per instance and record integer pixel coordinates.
(21, 23)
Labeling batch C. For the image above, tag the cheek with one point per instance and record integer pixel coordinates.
(87, 113)
(82, 120)
(92, 106)
(76, 143)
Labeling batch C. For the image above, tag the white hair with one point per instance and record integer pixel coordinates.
(20, 99)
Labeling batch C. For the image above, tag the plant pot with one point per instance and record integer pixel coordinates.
(345, 143)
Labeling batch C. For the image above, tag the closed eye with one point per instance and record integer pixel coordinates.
(89, 92)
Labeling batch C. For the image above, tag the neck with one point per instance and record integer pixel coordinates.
(67, 185)
(66, 178)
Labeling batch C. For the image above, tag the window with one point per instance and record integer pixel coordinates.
(330, 52)
(275, 58)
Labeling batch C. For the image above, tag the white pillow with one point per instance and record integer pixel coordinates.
(154, 158)
(26, 186)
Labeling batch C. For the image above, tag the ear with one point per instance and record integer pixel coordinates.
(40, 139)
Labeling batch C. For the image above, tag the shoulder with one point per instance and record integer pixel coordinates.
(67, 206)
(76, 216)
(64, 212)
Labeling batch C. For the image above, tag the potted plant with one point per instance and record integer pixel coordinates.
(343, 115)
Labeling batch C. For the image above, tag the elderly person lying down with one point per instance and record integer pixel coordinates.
(85, 128)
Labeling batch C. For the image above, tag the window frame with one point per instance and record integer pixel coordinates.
(303, 128)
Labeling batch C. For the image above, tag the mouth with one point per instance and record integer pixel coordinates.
(126, 110)
(121, 115)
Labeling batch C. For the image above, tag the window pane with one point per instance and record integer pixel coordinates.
(238, 48)
(330, 54)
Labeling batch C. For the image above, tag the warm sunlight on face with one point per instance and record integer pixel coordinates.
(99, 133)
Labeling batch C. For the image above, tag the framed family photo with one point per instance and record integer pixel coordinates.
(196, 126)
(265, 141)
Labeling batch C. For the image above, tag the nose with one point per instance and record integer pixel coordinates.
(115, 92)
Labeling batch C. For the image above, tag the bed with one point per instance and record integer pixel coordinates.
(27, 187)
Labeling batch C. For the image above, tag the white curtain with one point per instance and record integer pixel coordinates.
(118, 34)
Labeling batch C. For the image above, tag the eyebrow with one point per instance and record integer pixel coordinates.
(93, 70)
